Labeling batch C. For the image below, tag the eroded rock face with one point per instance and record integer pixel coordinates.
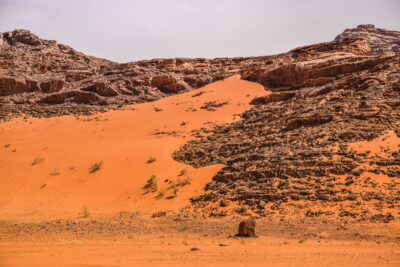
(101, 89)
(16, 85)
(312, 67)
(274, 97)
(169, 84)
(22, 37)
(52, 86)
(381, 41)
(35, 73)
(291, 148)
(72, 96)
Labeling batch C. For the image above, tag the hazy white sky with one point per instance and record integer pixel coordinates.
(129, 30)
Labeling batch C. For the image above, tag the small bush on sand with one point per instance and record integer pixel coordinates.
(175, 189)
(37, 160)
(160, 194)
(151, 184)
(96, 167)
(151, 160)
(182, 172)
(183, 181)
(85, 212)
(7, 145)
(55, 172)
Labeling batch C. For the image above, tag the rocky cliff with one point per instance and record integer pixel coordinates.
(382, 41)
(293, 152)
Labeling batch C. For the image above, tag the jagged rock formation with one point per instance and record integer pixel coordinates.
(381, 41)
(292, 145)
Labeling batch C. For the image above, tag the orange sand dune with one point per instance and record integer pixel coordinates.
(44, 163)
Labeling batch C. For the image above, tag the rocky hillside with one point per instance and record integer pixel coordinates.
(44, 78)
(293, 152)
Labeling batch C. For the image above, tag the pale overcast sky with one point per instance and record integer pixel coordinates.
(129, 30)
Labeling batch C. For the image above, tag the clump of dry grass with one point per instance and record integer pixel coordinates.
(85, 212)
(55, 172)
(160, 194)
(151, 184)
(37, 160)
(151, 160)
(183, 181)
(96, 167)
(175, 189)
(182, 172)
(175, 186)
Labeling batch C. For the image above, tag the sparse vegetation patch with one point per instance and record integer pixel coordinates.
(55, 172)
(182, 172)
(37, 160)
(151, 160)
(85, 212)
(96, 167)
(151, 185)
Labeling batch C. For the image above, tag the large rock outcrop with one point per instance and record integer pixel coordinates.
(292, 148)
(381, 41)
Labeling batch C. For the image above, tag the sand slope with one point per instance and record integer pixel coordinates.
(44, 163)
